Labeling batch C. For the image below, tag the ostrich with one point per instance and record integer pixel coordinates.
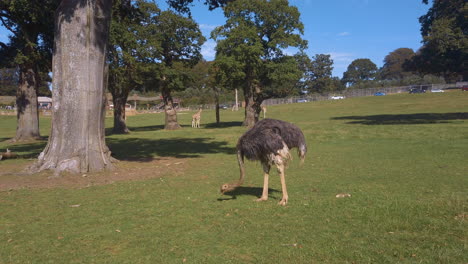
(269, 142)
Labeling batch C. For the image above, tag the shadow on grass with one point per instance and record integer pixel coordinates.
(142, 129)
(405, 119)
(138, 149)
(145, 128)
(4, 140)
(28, 150)
(136, 129)
(224, 124)
(252, 191)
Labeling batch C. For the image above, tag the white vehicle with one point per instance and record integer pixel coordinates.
(437, 91)
(337, 97)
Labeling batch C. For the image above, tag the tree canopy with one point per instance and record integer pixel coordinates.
(8, 81)
(445, 44)
(319, 75)
(184, 5)
(250, 49)
(360, 70)
(31, 24)
(393, 68)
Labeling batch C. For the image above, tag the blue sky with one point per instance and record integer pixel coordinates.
(345, 29)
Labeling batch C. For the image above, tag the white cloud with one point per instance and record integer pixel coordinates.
(208, 50)
(341, 61)
(290, 51)
(341, 56)
(343, 34)
(207, 27)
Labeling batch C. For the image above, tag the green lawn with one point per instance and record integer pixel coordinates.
(403, 158)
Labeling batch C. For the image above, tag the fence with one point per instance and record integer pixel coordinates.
(294, 99)
(346, 93)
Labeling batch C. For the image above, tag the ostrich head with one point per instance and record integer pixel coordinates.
(228, 187)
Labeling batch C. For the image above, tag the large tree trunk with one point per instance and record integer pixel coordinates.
(120, 125)
(27, 125)
(252, 112)
(253, 100)
(77, 143)
(170, 112)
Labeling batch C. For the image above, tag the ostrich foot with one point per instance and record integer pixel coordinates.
(283, 201)
(261, 199)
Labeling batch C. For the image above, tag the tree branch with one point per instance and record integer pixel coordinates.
(6, 25)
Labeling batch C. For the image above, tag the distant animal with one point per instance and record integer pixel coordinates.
(7, 155)
(269, 141)
(196, 119)
(264, 110)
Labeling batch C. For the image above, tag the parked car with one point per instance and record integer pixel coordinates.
(416, 91)
(380, 94)
(464, 88)
(437, 91)
(337, 97)
(223, 106)
(302, 100)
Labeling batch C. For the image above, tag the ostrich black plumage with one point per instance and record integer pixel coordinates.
(269, 141)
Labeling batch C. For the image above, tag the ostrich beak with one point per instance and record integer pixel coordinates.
(224, 188)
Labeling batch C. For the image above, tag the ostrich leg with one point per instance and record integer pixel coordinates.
(284, 200)
(266, 171)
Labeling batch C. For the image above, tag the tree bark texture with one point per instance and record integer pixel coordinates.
(76, 143)
(253, 100)
(27, 119)
(120, 125)
(170, 111)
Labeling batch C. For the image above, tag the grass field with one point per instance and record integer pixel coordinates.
(403, 159)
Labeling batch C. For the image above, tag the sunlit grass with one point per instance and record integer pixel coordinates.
(403, 159)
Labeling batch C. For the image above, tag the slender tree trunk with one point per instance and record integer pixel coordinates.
(170, 111)
(217, 113)
(217, 104)
(237, 102)
(76, 143)
(27, 124)
(120, 125)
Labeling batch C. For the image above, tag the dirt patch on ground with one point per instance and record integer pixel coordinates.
(12, 175)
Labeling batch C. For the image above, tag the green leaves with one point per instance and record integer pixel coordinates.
(444, 29)
(147, 44)
(180, 38)
(360, 70)
(250, 46)
(31, 25)
(393, 68)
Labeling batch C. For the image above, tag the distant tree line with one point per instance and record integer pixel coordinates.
(443, 56)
